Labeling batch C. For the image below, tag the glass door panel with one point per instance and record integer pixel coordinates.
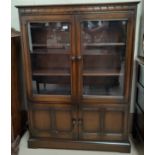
(103, 46)
(49, 44)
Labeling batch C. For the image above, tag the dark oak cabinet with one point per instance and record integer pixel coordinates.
(16, 128)
(78, 69)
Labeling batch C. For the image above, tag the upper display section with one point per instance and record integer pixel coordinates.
(72, 52)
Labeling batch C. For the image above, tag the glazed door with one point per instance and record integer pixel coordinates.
(50, 49)
(105, 51)
(104, 73)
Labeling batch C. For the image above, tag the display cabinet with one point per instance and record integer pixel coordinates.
(78, 69)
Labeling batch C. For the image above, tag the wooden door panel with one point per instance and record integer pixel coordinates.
(42, 119)
(113, 121)
(63, 117)
(103, 123)
(91, 121)
(53, 122)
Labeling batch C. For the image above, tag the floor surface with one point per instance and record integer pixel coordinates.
(23, 150)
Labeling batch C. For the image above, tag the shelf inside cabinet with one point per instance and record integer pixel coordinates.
(51, 72)
(56, 46)
(103, 44)
(100, 72)
(50, 51)
(98, 52)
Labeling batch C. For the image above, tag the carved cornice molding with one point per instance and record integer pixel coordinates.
(75, 9)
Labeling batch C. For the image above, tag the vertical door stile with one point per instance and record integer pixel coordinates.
(74, 79)
(73, 65)
(79, 61)
(77, 68)
(129, 57)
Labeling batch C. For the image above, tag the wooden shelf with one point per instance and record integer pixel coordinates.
(95, 52)
(51, 72)
(39, 45)
(104, 44)
(36, 26)
(96, 72)
(48, 28)
(58, 46)
(50, 51)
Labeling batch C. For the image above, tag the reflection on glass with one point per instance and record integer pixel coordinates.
(103, 45)
(49, 54)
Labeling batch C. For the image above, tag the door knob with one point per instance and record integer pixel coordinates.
(74, 121)
(78, 57)
(73, 58)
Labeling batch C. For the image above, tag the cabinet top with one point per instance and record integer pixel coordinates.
(76, 8)
(78, 4)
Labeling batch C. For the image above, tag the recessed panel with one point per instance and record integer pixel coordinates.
(63, 120)
(42, 120)
(91, 121)
(113, 121)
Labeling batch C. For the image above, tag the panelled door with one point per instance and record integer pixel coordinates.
(104, 42)
(57, 122)
(49, 54)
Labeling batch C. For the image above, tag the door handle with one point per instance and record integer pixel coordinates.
(74, 122)
(76, 58)
(73, 58)
(79, 57)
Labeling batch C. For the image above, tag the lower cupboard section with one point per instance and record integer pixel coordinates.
(88, 123)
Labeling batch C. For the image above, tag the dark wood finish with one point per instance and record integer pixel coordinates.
(16, 102)
(116, 146)
(103, 123)
(57, 122)
(77, 120)
(15, 89)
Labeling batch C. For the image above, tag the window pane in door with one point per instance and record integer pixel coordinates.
(103, 46)
(49, 48)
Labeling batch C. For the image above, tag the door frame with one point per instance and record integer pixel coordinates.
(113, 16)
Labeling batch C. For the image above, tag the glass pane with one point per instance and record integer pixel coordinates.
(49, 44)
(103, 45)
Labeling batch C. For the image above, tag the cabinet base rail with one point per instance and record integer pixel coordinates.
(122, 146)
